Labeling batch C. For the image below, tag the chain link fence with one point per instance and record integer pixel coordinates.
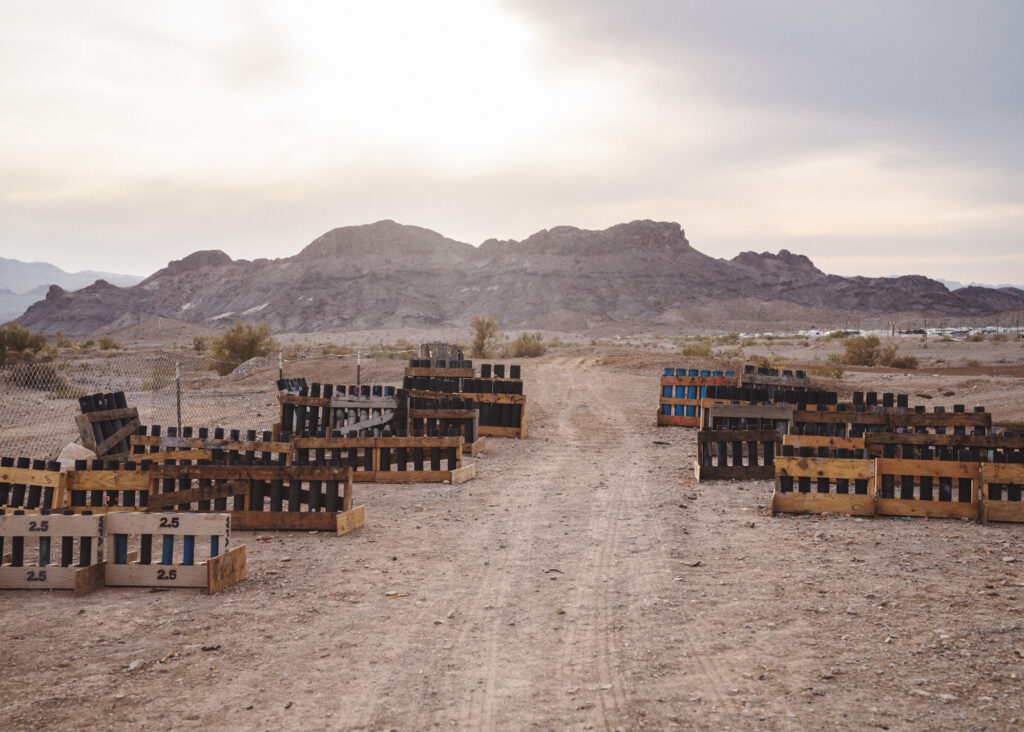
(171, 388)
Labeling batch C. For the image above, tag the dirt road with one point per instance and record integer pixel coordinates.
(582, 581)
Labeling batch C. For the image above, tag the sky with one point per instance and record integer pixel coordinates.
(876, 137)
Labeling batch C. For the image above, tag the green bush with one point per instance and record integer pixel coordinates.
(697, 350)
(485, 336)
(18, 344)
(869, 351)
(199, 344)
(527, 345)
(106, 343)
(238, 344)
(904, 362)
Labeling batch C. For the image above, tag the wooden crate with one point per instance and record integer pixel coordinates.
(823, 485)
(179, 538)
(681, 395)
(752, 454)
(81, 571)
(106, 423)
(931, 488)
(390, 459)
(1002, 492)
(447, 422)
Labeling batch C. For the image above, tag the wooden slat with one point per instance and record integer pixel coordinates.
(29, 476)
(931, 509)
(203, 493)
(54, 525)
(351, 520)
(284, 521)
(716, 436)
(831, 468)
(1003, 473)
(249, 472)
(443, 413)
(177, 523)
(698, 381)
(945, 419)
(750, 411)
(110, 414)
(119, 436)
(306, 401)
(804, 415)
(934, 468)
(107, 480)
(445, 372)
(816, 441)
(209, 443)
(1009, 442)
(225, 570)
(796, 502)
(737, 472)
(156, 575)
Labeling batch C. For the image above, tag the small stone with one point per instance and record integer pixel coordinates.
(285, 559)
(135, 665)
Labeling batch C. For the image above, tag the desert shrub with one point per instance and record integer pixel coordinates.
(729, 339)
(730, 353)
(864, 351)
(107, 343)
(19, 344)
(199, 344)
(38, 376)
(485, 336)
(87, 345)
(334, 349)
(401, 348)
(945, 339)
(975, 338)
(904, 362)
(527, 345)
(61, 340)
(697, 350)
(238, 344)
(829, 372)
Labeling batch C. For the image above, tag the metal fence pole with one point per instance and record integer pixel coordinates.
(359, 366)
(177, 382)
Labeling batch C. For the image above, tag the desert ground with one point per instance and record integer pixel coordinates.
(583, 580)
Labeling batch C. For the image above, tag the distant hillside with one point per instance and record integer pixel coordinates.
(23, 283)
(387, 275)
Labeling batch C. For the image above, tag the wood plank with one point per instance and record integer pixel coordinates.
(210, 443)
(698, 381)
(353, 401)
(444, 413)
(349, 521)
(54, 525)
(1009, 442)
(305, 401)
(156, 575)
(249, 472)
(110, 414)
(796, 502)
(816, 441)
(225, 489)
(931, 509)
(490, 431)
(178, 523)
(91, 578)
(107, 480)
(1008, 511)
(672, 420)
(474, 448)
(934, 468)
(226, 570)
(461, 475)
(284, 521)
(945, 419)
(739, 472)
(832, 468)
(29, 476)
(119, 436)
(750, 411)
(715, 436)
(1003, 473)
(805, 415)
(787, 381)
(467, 373)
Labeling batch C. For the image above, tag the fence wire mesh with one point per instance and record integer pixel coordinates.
(39, 400)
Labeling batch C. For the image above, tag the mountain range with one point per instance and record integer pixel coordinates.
(643, 274)
(23, 283)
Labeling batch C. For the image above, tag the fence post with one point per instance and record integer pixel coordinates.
(359, 366)
(280, 364)
(177, 382)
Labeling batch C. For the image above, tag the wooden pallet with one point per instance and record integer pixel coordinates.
(1002, 492)
(846, 422)
(927, 488)
(81, 571)
(465, 422)
(485, 403)
(106, 423)
(752, 454)
(31, 484)
(390, 459)
(823, 485)
(680, 401)
(179, 537)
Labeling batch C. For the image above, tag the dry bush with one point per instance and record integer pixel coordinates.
(238, 344)
(904, 362)
(869, 351)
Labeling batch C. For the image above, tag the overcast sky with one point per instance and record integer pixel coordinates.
(876, 137)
